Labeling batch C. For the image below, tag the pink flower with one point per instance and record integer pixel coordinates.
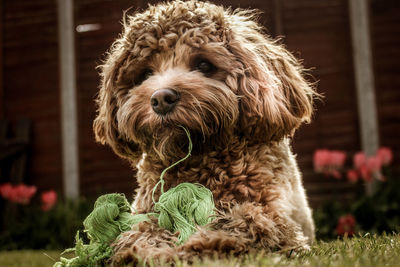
(20, 194)
(359, 159)
(385, 155)
(352, 176)
(5, 190)
(329, 162)
(49, 199)
(374, 164)
(365, 173)
(337, 158)
(370, 167)
(346, 225)
(321, 159)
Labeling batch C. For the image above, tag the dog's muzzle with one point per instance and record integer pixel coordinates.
(163, 100)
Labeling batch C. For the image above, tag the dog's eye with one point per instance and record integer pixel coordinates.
(144, 75)
(205, 67)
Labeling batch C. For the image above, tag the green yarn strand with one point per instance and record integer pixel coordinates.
(173, 165)
(183, 207)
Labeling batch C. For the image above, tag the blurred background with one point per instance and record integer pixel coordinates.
(43, 116)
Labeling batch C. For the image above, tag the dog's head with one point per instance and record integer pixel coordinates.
(201, 66)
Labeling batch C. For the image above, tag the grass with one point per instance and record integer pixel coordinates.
(359, 251)
(28, 258)
(367, 250)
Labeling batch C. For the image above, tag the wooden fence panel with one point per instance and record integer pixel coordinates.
(100, 169)
(319, 33)
(385, 31)
(31, 84)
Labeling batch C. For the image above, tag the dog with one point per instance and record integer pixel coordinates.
(241, 95)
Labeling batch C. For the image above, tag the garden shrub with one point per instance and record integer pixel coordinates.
(31, 227)
(376, 213)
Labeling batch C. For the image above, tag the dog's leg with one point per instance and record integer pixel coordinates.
(302, 214)
(145, 242)
(245, 226)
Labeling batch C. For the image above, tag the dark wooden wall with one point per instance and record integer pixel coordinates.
(31, 83)
(385, 33)
(1, 63)
(317, 31)
(100, 169)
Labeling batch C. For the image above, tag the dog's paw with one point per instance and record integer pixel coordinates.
(294, 252)
(211, 242)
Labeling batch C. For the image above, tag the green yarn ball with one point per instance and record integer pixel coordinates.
(183, 207)
(111, 216)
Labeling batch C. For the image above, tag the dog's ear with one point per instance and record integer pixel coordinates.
(274, 96)
(105, 125)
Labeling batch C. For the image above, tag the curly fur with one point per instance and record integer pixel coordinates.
(240, 117)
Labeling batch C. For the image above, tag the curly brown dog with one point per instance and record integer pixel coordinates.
(240, 94)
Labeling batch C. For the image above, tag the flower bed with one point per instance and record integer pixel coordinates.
(375, 213)
(38, 221)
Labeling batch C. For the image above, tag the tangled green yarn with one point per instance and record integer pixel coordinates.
(179, 209)
(183, 207)
(111, 215)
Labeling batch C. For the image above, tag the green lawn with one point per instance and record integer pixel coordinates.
(28, 258)
(360, 251)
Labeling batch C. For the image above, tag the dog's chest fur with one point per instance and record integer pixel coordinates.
(238, 173)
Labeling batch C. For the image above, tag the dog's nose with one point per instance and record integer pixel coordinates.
(163, 100)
